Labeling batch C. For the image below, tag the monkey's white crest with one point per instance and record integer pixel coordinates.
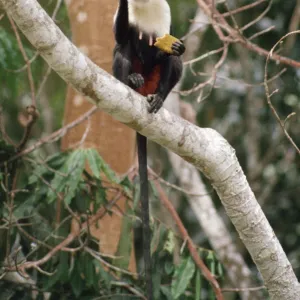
(150, 16)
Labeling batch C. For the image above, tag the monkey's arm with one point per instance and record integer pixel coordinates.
(121, 23)
(122, 67)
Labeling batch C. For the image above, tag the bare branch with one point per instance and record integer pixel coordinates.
(269, 95)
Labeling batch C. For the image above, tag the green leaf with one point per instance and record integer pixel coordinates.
(97, 164)
(89, 273)
(157, 278)
(95, 161)
(109, 173)
(41, 169)
(166, 291)
(211, 294)
(58, 185)
(154, 190)
(64, 266)
(126, 183)
(87, 268)
(100, 197)
(170, 242)
(76, 280)
(125, 241)
(155, 237)
(69, 184)
(212, 262)
(158, 238)
(103, 275)
(220, 269)
(37, 173)
(182, 277)
(136, 197)
(82, 202)
(26, 207)
(198, 286)
(169, 267)
(61, 273)
(210, 256)
(127, 187)
(213, 267)
(56, 160)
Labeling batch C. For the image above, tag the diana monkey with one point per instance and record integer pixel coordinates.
(149, 71)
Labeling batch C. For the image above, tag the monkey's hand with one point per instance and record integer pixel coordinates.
(170, 45)
(135, 80)
(178, 48)
(156, 102)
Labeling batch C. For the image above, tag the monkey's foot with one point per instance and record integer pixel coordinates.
(178, 48)
(135, 80)
(156, 102)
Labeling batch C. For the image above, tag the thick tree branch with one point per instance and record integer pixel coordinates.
(204, 148)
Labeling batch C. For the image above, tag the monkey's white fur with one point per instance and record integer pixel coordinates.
(152, 17)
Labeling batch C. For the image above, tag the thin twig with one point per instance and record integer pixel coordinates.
(55, 135)
(129, 287)
(254, 36)
(281, 123)
(258, 288)
(234, 36)
(55, 11)
(31, 60)
(28, 64)
(205, 55)
(98, 257)
(173, 186)
(294, 25)
(256, 20)
(32, 118)
(243, 8)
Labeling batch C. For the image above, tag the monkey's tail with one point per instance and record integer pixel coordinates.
(144, 192)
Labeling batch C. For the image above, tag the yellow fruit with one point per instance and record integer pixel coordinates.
(165, 43)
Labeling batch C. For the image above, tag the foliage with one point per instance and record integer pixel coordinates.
(36, 228)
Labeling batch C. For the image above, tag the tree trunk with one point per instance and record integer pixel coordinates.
(91, 24)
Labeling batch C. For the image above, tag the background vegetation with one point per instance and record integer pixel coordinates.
(31, 187)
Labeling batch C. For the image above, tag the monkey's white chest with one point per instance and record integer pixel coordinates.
(152, 18)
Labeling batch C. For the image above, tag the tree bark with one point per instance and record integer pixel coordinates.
(91, 25)
(203, 147)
